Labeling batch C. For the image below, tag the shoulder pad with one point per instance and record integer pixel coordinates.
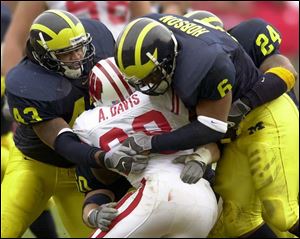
(258, 38)
(31, 81)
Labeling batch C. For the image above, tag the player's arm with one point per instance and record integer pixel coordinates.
(17, 33)
(195, 164)
(279, 60)
(139, 8)
(212, 111)
(98, 209)
(58, 135)
(262, 41)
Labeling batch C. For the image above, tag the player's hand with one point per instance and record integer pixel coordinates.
(194, 168)
(125, 161)
(102, 216)
(140, 143)
(237, 113)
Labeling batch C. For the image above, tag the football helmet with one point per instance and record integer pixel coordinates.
(146, 53)
(56, 32)
(205, 17)
(107, 85)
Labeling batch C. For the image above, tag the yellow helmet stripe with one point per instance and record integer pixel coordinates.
(189, 14)
(43, 28)
(120, 48)
(211, 19)
(140, 40)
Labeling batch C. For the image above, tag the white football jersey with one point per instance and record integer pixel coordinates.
(113, 14)
(107, 127)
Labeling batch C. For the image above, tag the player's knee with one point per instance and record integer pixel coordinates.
(27, 190)
(275, 214)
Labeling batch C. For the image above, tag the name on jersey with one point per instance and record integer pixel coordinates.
(184, 25)
(119, 108)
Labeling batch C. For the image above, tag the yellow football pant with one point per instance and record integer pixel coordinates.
(258, 174)
(6, 143)
(26, 189)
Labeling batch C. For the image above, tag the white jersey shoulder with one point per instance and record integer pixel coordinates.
(113, 14)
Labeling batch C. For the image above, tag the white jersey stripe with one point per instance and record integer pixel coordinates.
(112, 82)
(126, 85)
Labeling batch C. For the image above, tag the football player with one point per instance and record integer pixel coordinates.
(261, 41)
(209, 70)
(44, 225)
(113, 14)
(165, 205)
(46, 91)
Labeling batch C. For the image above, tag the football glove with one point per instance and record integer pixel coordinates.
(194, 168)
(139, 142)
(102, 216)
(125, 161)
(238, 112)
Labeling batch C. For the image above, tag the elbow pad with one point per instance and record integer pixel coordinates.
(68, 145)
(202, 131)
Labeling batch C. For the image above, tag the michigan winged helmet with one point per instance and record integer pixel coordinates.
(56, 32)
(146, 53)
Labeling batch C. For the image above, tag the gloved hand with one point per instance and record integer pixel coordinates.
(102, 216)
(194, 168)
(237, 113)
(139, 142)
(125, 160)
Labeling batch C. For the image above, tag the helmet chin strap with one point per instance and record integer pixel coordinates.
(71, 73)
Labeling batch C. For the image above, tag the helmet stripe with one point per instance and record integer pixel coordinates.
(116, 70)
(112, 82)
(140, 40)
(45, 29)
(120, 48)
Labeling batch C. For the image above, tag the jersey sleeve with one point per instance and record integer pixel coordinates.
(219, 80)
(83, 124)
(259, 39)
(28, 111)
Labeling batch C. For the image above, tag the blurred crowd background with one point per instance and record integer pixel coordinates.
(284, 15)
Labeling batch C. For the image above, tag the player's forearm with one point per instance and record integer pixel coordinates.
(278, 60)
(272, 84)
(93, 200)
(211, 150)
(190, 136)
(139, 8)
(70, 147)
(11, 57)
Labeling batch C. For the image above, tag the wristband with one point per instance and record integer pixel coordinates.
(92, 215)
